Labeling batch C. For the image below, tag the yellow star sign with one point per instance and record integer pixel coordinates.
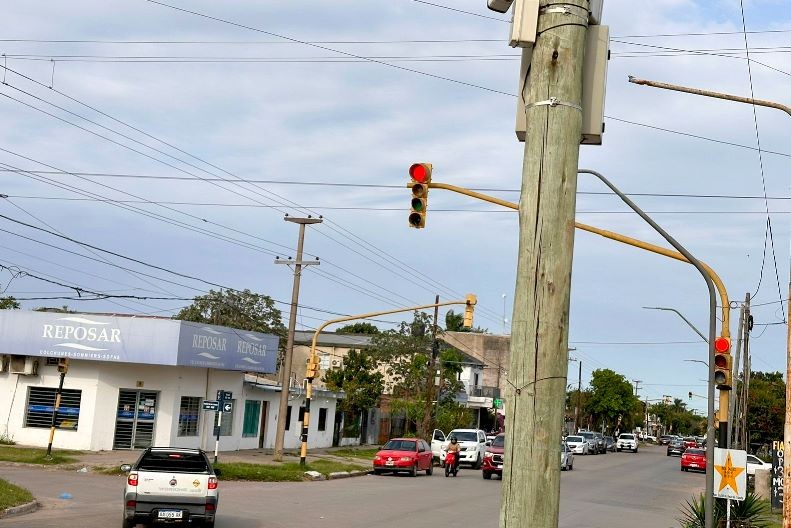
(729, 472)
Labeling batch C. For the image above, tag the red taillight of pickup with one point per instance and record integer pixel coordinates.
(132, 479)
(212, 483)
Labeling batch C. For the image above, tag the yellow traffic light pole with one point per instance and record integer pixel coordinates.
(469, 302)
(618, 238)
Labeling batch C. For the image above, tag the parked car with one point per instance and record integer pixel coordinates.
(651, 439)
(593, 444)
(626, 441)
(170, 484)
(473, 446)
(566, 457)
(665, 439)
(675, 447)
(693, 458)
(437, 440)
(609, 442)
(578, 444)
(601, 444)
(753, 463)
(690, 441)
(408, 455)
(493, 458)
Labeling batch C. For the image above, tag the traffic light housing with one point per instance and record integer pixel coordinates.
(468, 310)
(723, 376)
(421, 177)
(63, 365)
(690, 395)
(312, 369)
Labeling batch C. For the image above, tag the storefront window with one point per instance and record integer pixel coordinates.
(189, 414)
(41, 405)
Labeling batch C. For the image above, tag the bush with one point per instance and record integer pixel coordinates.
(749, 513)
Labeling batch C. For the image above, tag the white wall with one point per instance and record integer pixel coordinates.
(291, 439)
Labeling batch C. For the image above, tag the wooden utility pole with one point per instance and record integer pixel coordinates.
(732, 410)
(285, 368)
(425, 426)
(536, 381)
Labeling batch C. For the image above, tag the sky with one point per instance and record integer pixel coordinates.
(180, 140)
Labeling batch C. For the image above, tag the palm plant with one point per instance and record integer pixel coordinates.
(749, 513)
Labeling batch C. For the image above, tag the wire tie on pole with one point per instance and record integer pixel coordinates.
(553, 102)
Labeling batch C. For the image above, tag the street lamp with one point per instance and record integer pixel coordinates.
(681, 316)
(697, 361)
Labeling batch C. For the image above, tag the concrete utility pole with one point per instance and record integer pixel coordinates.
(536, 381)
(732, 425)
(285, 370)
(787, 426)
(746, 368)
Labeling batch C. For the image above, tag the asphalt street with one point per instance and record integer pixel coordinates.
(617, 490)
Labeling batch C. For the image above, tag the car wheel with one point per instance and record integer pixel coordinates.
(430, 470)
(571, 466)
(377, 471)
(413, 471)
(486, 475)
(208, 524)
(618, 449)
(447, 470)
(128, 523)
(479, 462)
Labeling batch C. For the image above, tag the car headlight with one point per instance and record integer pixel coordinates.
(406, 459)
(488, 454)
(377, 458)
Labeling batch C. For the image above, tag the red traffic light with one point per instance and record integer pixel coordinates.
(420, 172)
(722, 344)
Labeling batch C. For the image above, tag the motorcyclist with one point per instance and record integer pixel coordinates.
(455, 448)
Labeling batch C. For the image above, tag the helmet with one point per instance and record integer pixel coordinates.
(453, 440)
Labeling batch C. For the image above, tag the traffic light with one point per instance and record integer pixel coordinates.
(468, 310)
(497, 403)
(63, 365)
(421, 177)
(312, 367)
(690, 395)
(723, 377)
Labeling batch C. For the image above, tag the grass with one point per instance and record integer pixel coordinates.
(11, 495)
(288, 472)
(32, 455)
(367, 454)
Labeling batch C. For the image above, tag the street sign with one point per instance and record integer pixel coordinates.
(227, 406)
(210, 405)
(224, 395)
(777, 474)
(730, 473)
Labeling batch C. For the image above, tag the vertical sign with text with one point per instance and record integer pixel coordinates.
(777, 474)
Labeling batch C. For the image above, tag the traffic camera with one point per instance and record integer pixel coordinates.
(723, 376)
(421, 177)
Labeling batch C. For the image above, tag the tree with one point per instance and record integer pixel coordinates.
(765, 407)
(358, 328)
(455, 323)
(9, 303)
(244, 310)
(358, 379)
(611, 396)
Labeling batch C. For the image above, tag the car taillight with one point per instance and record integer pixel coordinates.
(212, 483)
(131, 504)
(132, 479)
(211, 507)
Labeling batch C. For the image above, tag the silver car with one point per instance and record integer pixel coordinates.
(577, 444)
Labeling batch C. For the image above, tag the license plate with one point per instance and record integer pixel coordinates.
(499, 466)
(169, 515)
(693, 465)
(389, 463)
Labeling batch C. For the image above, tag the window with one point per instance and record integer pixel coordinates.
(324, 362)
(252, 411)
(226, 423)
(288, 417)
(323, 419)
(41, 405)
(189, 413)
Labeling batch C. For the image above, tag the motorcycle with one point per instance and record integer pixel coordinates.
(451, 464)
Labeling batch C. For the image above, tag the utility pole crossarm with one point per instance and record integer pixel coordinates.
(709, 93)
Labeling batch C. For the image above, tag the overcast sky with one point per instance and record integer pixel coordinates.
(213, 103)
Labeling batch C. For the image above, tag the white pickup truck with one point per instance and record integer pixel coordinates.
(170, 485)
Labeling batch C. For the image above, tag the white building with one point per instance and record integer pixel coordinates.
(133, 382)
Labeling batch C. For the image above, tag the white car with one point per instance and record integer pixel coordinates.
(753, 463)
(578, 444)
(472, 446)
(626, 441)
(437, 439)
(566, 457)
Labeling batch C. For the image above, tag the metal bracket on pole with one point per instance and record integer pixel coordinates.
(554, 101)
(564, 10)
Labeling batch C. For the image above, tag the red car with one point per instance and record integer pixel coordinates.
(493, 458)
(408, 455)
(690, 442)
(693, 458)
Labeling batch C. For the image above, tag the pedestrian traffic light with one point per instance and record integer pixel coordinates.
(63, 365)
(421, 177)
(468, 310)
(723, 377)
(312, 369)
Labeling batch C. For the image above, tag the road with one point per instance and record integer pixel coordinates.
(617, 490)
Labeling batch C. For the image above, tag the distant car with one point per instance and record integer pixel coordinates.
(437, 440)
(675, 447)
(650, 439)
(473, 446)
(626, 441)
(610, 443)
(407, 455)
(593, 443)
(693, 459)
(566, 457)
(690, 441)
(578, 444)
(493, 458)
(665, 439)
(601, 444)
(753, 463)
(170, 484)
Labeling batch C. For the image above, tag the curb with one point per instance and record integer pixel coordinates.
(19, 510)
(347, 474)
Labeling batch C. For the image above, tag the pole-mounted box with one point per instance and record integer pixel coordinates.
(524, 24)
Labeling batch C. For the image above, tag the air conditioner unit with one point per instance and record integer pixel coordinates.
(24, 365)
(336, 363)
